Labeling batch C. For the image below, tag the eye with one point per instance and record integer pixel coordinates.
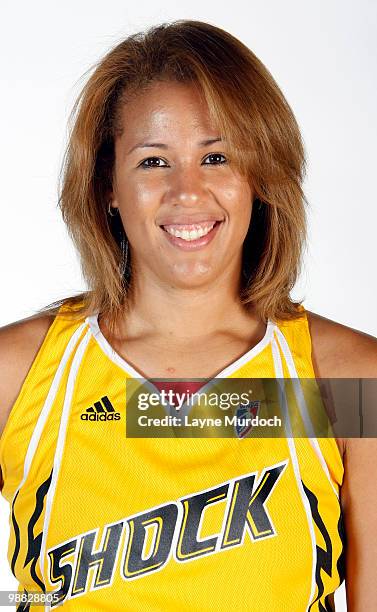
(144, 163)
(215, 159)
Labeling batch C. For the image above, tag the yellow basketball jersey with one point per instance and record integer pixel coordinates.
(107, 521)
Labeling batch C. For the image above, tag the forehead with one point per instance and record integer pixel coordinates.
(163, 108)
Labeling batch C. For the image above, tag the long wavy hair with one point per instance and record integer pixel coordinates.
(251, 112)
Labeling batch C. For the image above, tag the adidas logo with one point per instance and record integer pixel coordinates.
(103, 410)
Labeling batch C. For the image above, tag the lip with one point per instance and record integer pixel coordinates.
(187, 220)
(193, 245)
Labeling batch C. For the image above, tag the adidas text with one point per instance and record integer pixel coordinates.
(111, 416)
(102, 410)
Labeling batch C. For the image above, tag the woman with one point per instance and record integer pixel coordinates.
(182, 191)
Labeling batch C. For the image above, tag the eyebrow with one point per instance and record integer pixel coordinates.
(161, 145)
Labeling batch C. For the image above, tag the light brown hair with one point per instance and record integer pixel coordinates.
(252, 114)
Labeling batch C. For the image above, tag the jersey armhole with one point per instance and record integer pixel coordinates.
(330, 439)
(24, 387)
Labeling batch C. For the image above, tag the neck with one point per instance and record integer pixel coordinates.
(183, 313)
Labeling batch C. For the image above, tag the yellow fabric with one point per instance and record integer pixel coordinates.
(183, 524)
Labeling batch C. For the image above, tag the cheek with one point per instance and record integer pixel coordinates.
(235, 192)
(137, 206)
(145, 193)
(238, 203)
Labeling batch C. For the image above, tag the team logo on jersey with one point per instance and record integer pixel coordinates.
(244, 414)
(102, 410)
(170, 532)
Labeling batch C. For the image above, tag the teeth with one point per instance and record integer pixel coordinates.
(194, 234)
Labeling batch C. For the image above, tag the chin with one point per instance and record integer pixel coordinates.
(192, 275)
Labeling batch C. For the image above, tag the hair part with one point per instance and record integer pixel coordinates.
(253, 116)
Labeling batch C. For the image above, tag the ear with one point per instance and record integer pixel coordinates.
(111, 200)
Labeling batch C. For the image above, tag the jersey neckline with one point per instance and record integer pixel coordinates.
(116, 358)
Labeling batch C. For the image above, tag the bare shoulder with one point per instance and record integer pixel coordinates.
(19, 345)
(339, 351)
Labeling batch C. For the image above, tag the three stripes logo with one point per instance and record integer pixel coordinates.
(102, 410)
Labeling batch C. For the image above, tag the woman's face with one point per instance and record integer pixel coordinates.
(185, 208)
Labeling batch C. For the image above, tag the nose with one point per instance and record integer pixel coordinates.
(186, 187)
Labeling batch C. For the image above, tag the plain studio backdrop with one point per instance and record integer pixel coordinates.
(323, 56)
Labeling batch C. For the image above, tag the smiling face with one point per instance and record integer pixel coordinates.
(184, 206)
